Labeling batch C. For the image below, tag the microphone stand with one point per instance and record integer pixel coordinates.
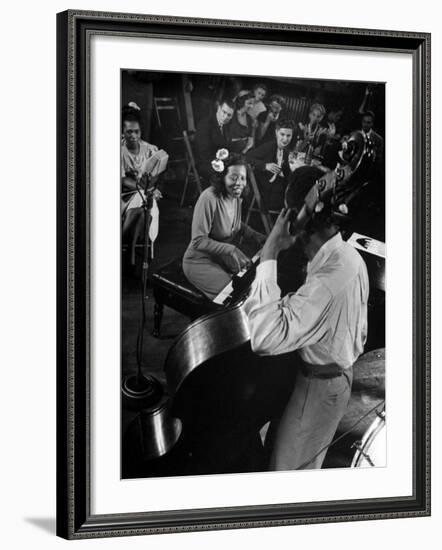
(140, 390)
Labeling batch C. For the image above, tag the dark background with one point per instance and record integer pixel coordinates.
(142, 86)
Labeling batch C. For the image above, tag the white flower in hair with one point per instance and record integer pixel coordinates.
(222, 154)
(218, 165)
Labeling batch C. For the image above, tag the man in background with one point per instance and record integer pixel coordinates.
(213, 133)
(367, 127)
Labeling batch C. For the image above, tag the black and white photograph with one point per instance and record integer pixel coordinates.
(221, 272)
(243, 306)
(253, 252)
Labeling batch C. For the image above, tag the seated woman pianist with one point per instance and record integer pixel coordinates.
(213, 255)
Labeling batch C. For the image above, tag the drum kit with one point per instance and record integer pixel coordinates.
(370, 450)
(360, 440)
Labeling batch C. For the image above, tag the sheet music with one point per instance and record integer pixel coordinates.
(156, 164)
(161, 165)
(373, 246)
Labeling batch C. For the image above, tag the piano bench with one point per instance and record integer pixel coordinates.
(171, 288)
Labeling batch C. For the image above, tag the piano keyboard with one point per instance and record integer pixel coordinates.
(225, 296)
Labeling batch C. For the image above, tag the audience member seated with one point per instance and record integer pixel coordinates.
(332, 123)
(312, 133)
(213, 255)
(259, 93)
(242, 126)
(374, 195)
(333, 132)
(267, 119)
(367, 127)
(271, 166)
(135, 179)
(212, 134)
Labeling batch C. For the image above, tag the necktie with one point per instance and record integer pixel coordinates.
(279, 157)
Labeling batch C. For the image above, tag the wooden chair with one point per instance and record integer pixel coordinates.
(257, 204)
(168, 116)
(134, 236)
(192, 172)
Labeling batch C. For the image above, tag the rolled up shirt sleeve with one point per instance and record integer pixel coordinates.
(280, 325)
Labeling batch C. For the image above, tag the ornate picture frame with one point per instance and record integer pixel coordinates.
(75, 30)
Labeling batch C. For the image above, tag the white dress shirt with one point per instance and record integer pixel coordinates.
(326, 319)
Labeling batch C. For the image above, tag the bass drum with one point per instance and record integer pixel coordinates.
(367, 394)
(371, 451)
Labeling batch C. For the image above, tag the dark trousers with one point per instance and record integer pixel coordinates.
(272, 192)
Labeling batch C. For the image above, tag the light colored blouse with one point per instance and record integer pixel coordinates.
(131, 162)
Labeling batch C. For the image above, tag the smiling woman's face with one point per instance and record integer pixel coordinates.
(249, 103)
(283, 137)
(235, 180)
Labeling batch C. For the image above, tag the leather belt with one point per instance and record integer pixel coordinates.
(321, 371)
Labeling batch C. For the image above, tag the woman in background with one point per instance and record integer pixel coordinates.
(242, 125)
(135, 180)
(213, 256)
(259, 93)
